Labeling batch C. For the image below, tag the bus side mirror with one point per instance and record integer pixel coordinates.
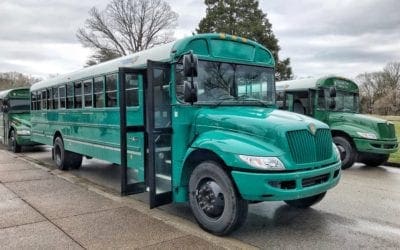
(332, 92)
(190, 62)
(190, 91)
(332, 104)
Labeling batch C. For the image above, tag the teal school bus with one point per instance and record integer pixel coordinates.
(335, 101)
(180, 122)
(15, 123)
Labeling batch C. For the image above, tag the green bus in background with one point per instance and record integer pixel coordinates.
(335, 101)
(183, 124)
(15, 126)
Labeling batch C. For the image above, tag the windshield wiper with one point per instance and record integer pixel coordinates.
(248, 98)
(222, 100)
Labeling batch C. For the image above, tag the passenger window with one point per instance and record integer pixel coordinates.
(70, 96)
(98, 89)
(87, 91)
(62, 96)
(33, 101)
(55, 98)
(49, 99)
(131, 87)
(44, 100)
(78, 95)
(111, 90)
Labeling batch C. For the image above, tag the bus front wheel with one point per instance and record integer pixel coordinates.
(346, 150)
(214, 201)
(12, 142)
(65, 159)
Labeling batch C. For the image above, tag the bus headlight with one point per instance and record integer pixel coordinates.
(367, 135)
(23, 132)
(265, 163)
(336, 151)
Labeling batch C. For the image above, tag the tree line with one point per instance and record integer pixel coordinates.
(10, 80)
(380, 91)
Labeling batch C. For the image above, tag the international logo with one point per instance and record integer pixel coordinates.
(312, 128)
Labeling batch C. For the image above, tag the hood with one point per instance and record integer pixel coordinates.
(266, 123)
(352, 123)
(21, 119)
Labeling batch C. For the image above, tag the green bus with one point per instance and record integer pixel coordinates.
(15, 126)
(175, 121)
(335, 101)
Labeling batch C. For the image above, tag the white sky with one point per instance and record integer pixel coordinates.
(345, 37)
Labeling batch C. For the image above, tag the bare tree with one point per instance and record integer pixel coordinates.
(9, 80)
(127, 26)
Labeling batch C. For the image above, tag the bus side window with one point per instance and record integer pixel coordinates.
(70, 96)
(33, 101)
(321, 99)
(131, 90)
(78, 95)
(88, 93)
(44, 100)
(62, 97)
(111, 90)
(55, 98)
(49, 99)
(98, 89)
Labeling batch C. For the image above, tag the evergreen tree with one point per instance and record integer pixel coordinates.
(244, 18)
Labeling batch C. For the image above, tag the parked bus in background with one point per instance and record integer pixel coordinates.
(181, 121)
(15, 118)
(335, 101)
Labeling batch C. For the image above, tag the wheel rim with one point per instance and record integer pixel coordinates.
(57, 153)
(12, 141)
(210, 198)
(342, 151)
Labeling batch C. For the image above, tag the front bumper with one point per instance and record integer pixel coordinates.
(376, 146)
(25, 140)
(286, 185)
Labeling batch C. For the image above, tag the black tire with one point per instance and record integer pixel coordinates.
(225, 210)
(306, 202)
(13, 144)
(347, 152)
(65, 159)
(373, 160)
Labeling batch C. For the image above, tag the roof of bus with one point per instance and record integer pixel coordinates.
(315, 82)
(201, 45)
(14, 92)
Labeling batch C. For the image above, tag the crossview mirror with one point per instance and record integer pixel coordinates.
(190, 92)
(190, 62)
(332, 92)
(332, 104)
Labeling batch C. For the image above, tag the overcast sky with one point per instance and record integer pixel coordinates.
(344, 37)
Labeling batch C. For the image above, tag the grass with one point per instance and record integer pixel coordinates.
(395, 157)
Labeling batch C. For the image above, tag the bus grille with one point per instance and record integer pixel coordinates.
(386, 131)
(306, 148)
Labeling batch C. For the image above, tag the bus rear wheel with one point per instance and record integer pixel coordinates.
(306, 202)
(346, 150)
(65, 159)
(214, 201)
(13, 144)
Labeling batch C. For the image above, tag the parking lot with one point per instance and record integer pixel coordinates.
(363, 211)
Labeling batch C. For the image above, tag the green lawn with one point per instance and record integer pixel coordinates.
(396, 120)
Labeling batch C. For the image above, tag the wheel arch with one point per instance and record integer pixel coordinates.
(335, 133)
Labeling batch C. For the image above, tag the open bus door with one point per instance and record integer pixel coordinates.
(159, 133)
(132, 131)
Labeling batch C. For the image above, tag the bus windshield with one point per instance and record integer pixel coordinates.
(346, 101)
(230, 83)
(19, 104)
